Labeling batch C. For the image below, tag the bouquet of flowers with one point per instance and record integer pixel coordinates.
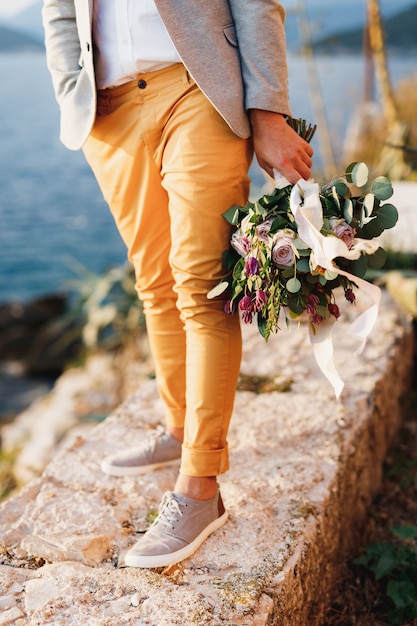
(292, 248)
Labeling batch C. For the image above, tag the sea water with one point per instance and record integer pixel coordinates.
(51, 210)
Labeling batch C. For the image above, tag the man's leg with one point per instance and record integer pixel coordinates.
(121, 151)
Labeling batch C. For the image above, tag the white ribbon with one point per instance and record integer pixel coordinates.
(306, 207)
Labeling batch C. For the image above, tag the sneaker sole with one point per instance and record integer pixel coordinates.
(163, 560)
(134, 470)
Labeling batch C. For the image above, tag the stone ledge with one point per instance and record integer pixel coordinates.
(303, 469)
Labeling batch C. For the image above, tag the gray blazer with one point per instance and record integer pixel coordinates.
(233, 49)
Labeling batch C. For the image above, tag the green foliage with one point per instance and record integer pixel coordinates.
(105, 308)
(7, 482)
(270, 268)
(395, 566)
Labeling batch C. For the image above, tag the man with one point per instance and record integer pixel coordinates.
(167, 99)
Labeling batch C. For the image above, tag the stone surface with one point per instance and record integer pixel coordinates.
(303, 469)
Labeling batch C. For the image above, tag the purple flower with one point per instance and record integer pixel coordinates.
(229, 308)
(242, 245)
(316, 319)
(349, 295)
(334, 310)
(262, 230)
(260, 300)
(251, 266)
(312, 302)
(247, 308)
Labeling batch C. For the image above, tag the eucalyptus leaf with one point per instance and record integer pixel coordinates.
(359, 174)
(293, 285)
(377, 260)
(387, 216)
(382, 188)
(372, 229)
(303, 265)
(342, 189)
(358, 267)
(361, 216)
(335, 196)
(289, 271)
(368, 204)
(348, 210)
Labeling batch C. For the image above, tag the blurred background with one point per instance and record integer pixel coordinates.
(54, 224)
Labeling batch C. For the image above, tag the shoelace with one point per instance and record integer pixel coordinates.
(170, 509)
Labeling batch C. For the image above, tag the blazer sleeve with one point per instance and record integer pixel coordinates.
(63, 49)
(262, 48)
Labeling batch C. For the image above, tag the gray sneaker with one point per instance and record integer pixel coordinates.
(159, 449)
(180, 528)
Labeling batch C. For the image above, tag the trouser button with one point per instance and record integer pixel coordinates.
(141, 83)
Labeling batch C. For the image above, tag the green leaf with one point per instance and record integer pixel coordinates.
(402, 593)
(295, 303)
(369, 203)
(232, 215)
(229, 258)
(322, 310)
(405, 531)
(348, 210)
(377, 260)
(293, 285)
(289, 271)
(359, 174)
(387, 216)
(358, 267)
(386, 562)
(263, 326)
(218, 290)
(382, 188)
(335, 196)
(342, 189)
(238, 269)
(303, 265)
(372, 229)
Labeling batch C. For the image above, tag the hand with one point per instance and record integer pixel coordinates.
(277, 146)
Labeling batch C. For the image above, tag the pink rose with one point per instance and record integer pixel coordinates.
(283, 251)
(262, 230)
(345, 232)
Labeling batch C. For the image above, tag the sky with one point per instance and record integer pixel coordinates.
(8, 8)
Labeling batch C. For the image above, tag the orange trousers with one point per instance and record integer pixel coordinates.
(169, 166)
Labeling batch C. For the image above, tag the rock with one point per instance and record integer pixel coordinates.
(35, 434)
(38, 593)
(304, 468)
(10, 616)
(33, 334)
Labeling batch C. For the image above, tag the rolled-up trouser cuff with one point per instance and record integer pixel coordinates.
(204, 462)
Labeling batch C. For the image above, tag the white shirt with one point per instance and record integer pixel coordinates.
(130, 38)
